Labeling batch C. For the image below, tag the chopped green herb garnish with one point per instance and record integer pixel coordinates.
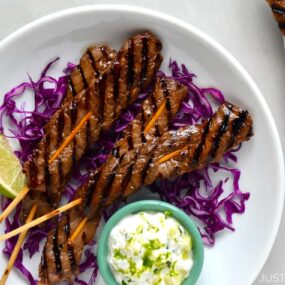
(132, 264)
(147, 261)
(168, 214)
(155, 244)
(118, 254)
(153, 250)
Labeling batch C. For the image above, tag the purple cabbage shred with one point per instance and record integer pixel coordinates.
(197, 193)
(27, 126)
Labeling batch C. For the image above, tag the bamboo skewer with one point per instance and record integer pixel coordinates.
(25, 190)
(147, 128)
(14, 203)
(77, 231)
(172, 154)
(23, 230)
(41, 219)
(29, 223)
(17, 248)
(69, 139)
(155, 117)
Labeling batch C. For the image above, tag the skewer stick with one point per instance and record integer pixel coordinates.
(69, 139)
(17, 248)
(77, 231)
(14, 203)
(41, 219)
(172, 154)
(155, 117)
(25, 190)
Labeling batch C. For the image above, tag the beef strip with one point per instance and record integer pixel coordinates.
(105, 93)
(95, 62)
(62, 264)
(127, 169)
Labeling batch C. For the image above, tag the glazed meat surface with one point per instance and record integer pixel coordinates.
(132, 165)
(57, 267)
(104, 83)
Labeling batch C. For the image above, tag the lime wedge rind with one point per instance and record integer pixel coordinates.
(12, 179)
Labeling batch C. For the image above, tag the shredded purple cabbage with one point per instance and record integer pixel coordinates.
(196, 193)
(89, 263)
(27, 126)
(214, 208)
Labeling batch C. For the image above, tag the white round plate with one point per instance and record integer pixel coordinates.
(237, 257)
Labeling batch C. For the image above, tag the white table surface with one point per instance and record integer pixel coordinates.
(244, 27)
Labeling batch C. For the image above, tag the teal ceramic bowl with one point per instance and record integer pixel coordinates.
(156, 206)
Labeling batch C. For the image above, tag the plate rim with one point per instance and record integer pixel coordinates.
(219, 50)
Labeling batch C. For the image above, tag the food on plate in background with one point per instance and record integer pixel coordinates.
(278, 10)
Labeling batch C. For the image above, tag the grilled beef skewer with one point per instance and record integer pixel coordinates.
(43, 179)
(166, 91)
(108, 92)
(127, 170)
(95, 62)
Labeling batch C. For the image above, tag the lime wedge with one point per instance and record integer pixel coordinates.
(12, 179)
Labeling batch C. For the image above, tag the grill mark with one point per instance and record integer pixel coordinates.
(44, 264)
(145, 168)
(91, 185)
(116, 75)
(60, 126)
(104, 52)
(66, 227)
(127, 177)
(73, 113)
(56, 251)
(222, 130)
(153, 101)
(47, 172)
(73, 153)
(108, 185)
(85, 83)
(70, 251)
(92, 61)
(73, 117)
(278, 10)
(130, 137)
(157, 132)
(102, 89)
(281, 26)
(130, 70)
(116, 152)
(199, 149)
(59, 168)
(237, 125)
(144, 59)
(249, 133)
(44, 260)
(71, 257)
(142, 127)
(87, 124)
(166, 95)
(71, 86)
